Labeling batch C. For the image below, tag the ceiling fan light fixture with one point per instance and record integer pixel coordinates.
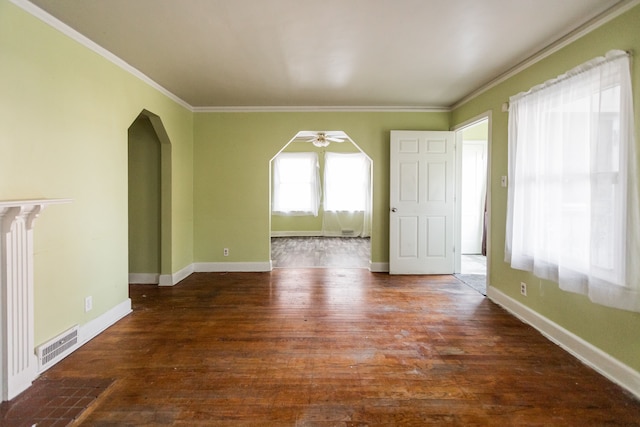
(322, 139)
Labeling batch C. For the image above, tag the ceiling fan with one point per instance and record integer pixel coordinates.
(323, 139)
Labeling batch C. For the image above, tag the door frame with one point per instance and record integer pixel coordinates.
(347, 138)
(458, 129)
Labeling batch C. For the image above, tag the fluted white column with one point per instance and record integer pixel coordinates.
(19, 364)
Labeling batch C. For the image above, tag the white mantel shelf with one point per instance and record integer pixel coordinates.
(32, 202)
(18, 364)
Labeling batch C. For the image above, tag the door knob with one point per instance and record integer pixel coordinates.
(394, 210)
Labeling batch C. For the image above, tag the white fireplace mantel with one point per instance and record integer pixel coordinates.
(17, 358)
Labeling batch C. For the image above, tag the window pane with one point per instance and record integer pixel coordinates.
(567, 204)
(295, 183)
(346, 178)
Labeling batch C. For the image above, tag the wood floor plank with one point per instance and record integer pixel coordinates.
(334, 347)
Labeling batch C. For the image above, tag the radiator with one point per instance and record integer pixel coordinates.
(57, 348)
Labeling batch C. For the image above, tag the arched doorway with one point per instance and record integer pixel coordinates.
(149, 184)
(338, 233)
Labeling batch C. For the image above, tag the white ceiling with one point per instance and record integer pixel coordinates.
(324, 53)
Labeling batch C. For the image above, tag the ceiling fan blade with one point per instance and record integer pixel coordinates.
(306, 134)
(334, 139)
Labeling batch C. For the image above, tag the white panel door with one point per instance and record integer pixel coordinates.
(421, 218)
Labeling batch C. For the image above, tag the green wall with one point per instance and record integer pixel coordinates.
(64, 115)
(614, 331)
(232, 154)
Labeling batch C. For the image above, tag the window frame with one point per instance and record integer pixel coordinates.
(307, 180)
(601, 190)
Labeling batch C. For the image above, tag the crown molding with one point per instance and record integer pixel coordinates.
(65, 29)
(613, 12)
(321, 109)
(54, 22)
(599, 20)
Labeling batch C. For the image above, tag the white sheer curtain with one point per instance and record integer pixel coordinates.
(296, 184)
(572, 213)
(347, 193)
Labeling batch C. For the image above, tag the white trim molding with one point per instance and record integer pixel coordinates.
(321, 109)
(109, 56)
(217, 267)
(587, 353)
(18, 362)
(93, 46)
(202, 267)
(91, 329)
(615, 11)
(175, 278)
(598, 21)
(296, 234)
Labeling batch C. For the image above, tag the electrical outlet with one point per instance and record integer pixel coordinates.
(226, 251)
(523, 288)
(88, 304)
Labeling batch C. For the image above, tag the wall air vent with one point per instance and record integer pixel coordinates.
(57, 348)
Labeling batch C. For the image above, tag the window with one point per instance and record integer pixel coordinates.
(296, 184)
(572, 168)
(346, 182)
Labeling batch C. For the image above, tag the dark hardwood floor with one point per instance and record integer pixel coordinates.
(334, 347)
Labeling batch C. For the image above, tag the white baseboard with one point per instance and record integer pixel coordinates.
(586, 352)
(215, 267)
(312, 234)
(91, 329)
(210, 267)
(296, 234)
(94, 327)
(175, 278)
(378, 267)
(144, 278)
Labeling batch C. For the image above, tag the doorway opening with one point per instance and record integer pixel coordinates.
(472, 139)
(149, 209)
(320, 202)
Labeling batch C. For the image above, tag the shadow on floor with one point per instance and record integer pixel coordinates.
(475, 281)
